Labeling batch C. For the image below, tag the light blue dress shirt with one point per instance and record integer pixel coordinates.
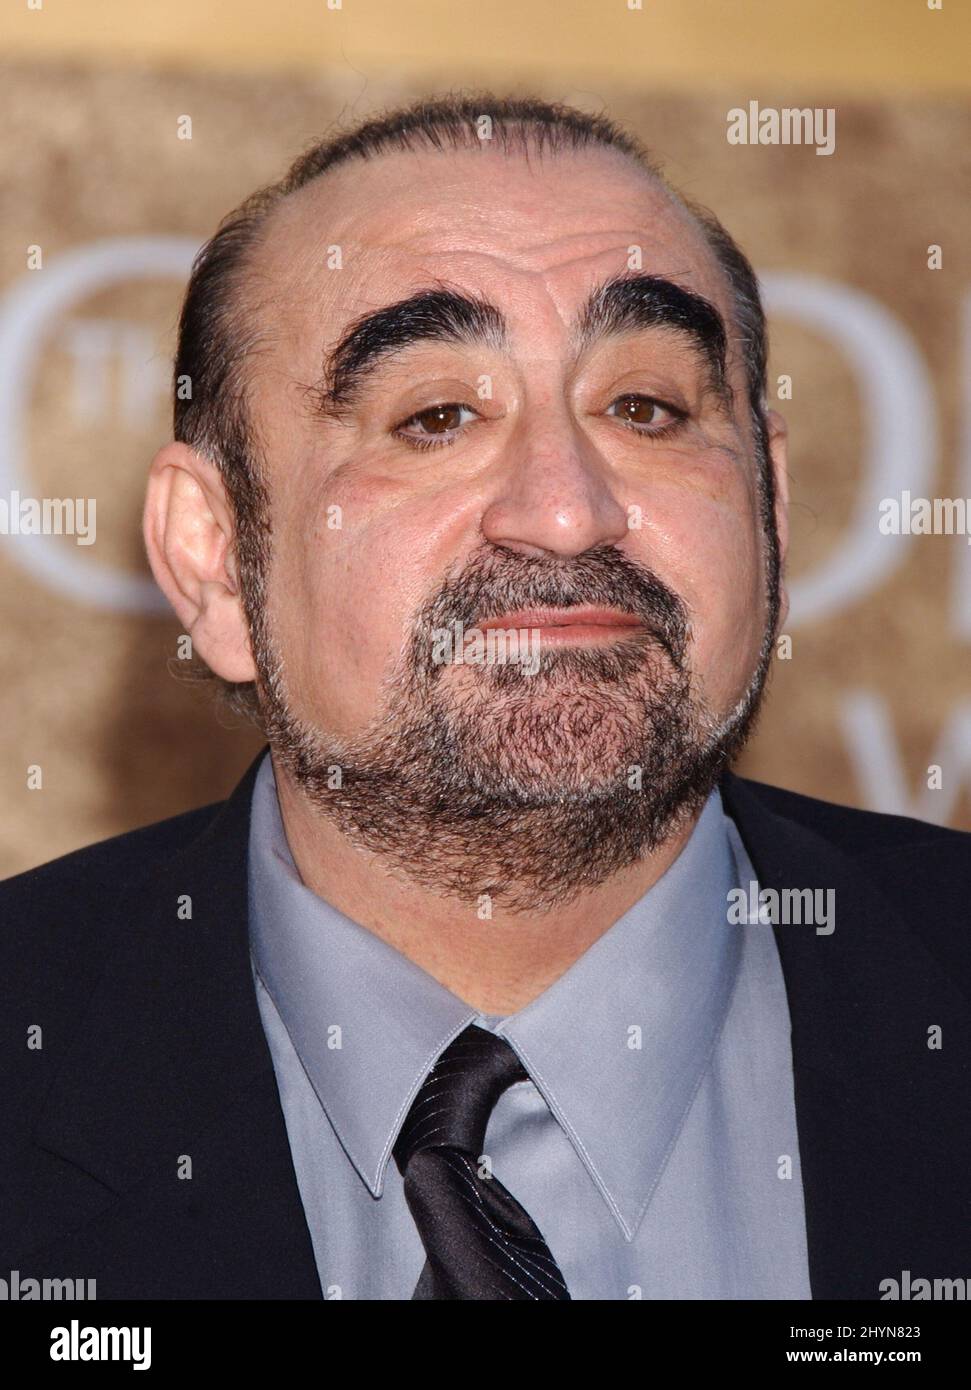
(655, 1143)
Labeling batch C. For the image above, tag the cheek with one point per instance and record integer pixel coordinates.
(355, 563)
(705, 541)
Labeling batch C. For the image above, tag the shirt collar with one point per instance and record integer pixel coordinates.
(617, 1045)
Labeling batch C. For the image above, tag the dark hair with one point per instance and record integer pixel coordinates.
(219, 329)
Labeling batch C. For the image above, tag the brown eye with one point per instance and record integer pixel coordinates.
(437, 419)
(638, 410)
(435, 426)
(645, 415)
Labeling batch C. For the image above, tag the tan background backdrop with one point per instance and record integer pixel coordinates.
(878, 346)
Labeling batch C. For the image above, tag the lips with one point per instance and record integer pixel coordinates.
(579, 626)
(551, 619)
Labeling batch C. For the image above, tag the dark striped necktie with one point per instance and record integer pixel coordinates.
(479, 1241)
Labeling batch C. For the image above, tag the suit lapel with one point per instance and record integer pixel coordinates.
(881, 1117)
(171, 1075)
(171, 1068)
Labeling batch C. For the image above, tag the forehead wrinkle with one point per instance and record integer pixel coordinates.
(335, 198)
(538, 257)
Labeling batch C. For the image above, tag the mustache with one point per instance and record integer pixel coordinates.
(497, 580)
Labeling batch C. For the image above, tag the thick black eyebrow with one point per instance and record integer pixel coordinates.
(434, 315)
(633, 302)
(627, 303)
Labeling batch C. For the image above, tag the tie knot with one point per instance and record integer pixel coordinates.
(452, 1108)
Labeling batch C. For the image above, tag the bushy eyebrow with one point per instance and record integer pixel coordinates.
(627, 303)
(633, 303)
(432, 315)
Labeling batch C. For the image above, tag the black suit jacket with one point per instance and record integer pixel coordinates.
(153, 1050)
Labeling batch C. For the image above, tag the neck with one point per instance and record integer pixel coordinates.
(497, 963)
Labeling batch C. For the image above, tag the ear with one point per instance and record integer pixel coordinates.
(189, 535)
(779, 461)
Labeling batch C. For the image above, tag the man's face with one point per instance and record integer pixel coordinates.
(540, 459)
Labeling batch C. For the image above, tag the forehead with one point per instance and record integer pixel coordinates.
(532, 234)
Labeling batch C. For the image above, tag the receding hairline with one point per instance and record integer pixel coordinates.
(253, 263)
(522, 149)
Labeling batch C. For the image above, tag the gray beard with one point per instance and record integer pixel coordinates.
(491, 785)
